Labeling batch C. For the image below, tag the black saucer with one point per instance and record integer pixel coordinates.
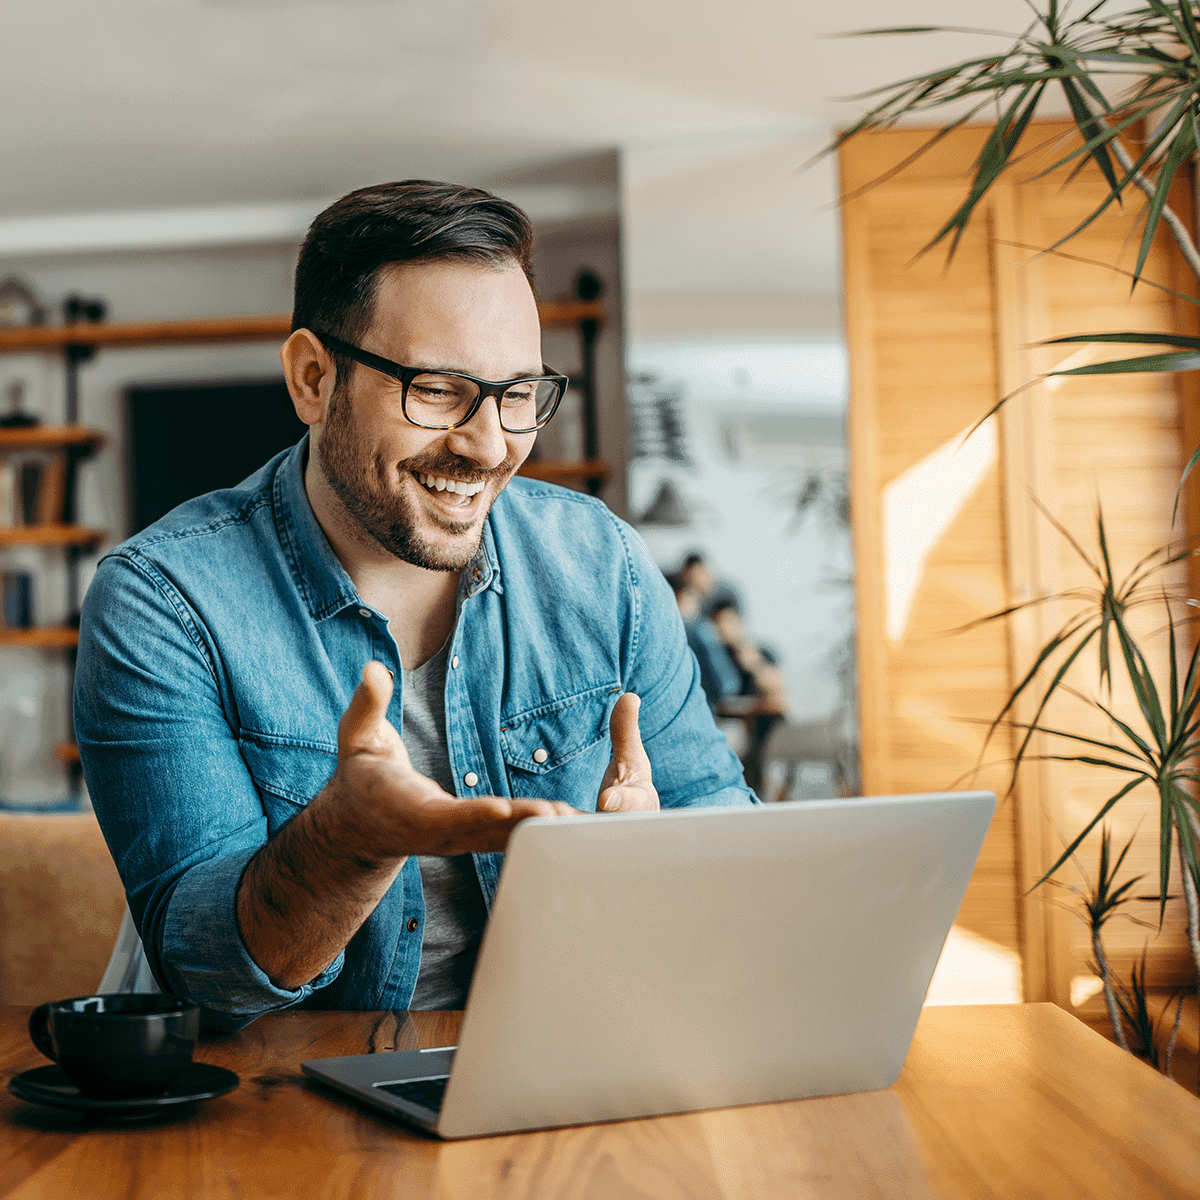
(50, 1086)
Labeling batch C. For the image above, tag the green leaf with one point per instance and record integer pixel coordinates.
(1177, 113)
(1065, 533)
(1130, 366)
(1139, 339)
(1181, 150)
(993, 158)
(1183, 28)
(1049, 692)
(1191, 692)
(1089, 761)
(1142, 680)
(1186, 839)
(1061, 638)
(903, 29)
(1147, 753)
(1191, 462)
(1079, 737)
(1089, 126)
(1108, 804)
(1174, 673)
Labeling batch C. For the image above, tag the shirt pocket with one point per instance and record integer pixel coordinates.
(288, 774)
(560, 750)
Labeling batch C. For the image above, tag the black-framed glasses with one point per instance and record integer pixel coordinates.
(448, 399)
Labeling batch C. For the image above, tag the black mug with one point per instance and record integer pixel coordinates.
(118, 1047)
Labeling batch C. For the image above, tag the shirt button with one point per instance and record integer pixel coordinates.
(470, 779)
(412, 924)
(477, 574)
(540, 755)
(364, 612)
(454, 663)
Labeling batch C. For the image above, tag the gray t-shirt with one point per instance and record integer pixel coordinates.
(455, 913)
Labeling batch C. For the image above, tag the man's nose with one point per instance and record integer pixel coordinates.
(481, 439)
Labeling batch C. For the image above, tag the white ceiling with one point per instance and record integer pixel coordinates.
(162, 104)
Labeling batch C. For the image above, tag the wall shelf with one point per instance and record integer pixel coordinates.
(551, 471)
(67, 752)
(52, 535)
(203, 330)
(50, 437)
(44, 637)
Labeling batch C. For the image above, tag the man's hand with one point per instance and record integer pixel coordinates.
(396, 811)
(627, 785)
(306, 893)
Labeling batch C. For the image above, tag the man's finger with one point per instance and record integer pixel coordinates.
(364, 725)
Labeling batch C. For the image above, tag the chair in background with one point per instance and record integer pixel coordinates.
(60, 906)
(793, 744)
(128, 970)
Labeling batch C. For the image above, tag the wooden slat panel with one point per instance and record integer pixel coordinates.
(932, 349)
(1117, 442)
(912, 396)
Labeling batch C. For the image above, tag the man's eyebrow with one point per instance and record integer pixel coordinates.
(537, 372)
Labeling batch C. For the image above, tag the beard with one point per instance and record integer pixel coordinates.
(363, 481)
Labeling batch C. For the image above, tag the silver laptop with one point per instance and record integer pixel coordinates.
(671, 961)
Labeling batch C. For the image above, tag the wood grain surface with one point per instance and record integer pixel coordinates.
(1005, 1101)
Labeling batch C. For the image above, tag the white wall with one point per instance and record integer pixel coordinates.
(732, 274)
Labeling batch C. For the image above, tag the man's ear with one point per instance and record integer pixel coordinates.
(309, 373)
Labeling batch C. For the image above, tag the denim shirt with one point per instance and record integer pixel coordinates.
(220, 647)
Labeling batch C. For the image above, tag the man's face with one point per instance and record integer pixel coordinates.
(475, 319)
(699, 578)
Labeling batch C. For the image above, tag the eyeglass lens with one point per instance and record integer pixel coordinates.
(440, 401)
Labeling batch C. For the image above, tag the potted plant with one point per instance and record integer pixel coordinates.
(1130, 78)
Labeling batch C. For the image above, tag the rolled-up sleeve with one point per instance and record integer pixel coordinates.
(173, 795)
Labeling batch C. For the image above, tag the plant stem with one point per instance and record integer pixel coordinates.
(1189, 897)
(1178, 229)
(1110, 998)
(1173, 1037)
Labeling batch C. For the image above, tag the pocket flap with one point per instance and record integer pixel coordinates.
(293, 771)
(545, 738)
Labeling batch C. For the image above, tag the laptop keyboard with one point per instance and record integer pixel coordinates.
(426, 1092)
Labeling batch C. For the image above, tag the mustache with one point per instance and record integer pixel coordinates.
(453, 466)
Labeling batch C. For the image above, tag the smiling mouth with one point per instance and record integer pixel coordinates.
(459, 487)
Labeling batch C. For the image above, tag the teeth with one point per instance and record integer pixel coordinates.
(460, 487)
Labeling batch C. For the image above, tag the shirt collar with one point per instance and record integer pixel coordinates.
(320, 577)
(483, 571)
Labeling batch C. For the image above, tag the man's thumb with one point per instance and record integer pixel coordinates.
(364, 726)
(623, 729)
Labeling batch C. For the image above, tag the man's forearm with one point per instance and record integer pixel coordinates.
(305, 894)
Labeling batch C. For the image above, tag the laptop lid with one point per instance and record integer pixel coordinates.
(697, 958)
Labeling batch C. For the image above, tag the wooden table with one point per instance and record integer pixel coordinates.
(1020, 1101)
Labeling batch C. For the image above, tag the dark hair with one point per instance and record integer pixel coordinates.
(720, 606)
(691, 560)
(414, 220)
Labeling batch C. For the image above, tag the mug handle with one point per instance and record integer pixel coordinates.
(39, 1031)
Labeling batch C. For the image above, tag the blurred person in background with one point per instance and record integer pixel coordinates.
(761, 696)
(697, 577)
(719, 674)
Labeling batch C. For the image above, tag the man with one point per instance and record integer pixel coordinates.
(260, 670)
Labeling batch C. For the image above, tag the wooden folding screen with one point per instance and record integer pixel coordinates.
(947, 532)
